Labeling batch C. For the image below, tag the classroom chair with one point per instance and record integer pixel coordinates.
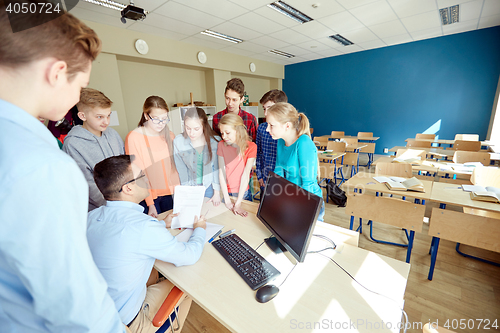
(428, 328)
(350, 142)
(466, 145)
(336, 146)
(167, 314)
(320, 142)
(467, 137)
(418, 144)
(411, 153)
(471, 156)
(483, 176)
(425, 136)
(327, 172)
(311, 130)
(337, 134)
(365, 135)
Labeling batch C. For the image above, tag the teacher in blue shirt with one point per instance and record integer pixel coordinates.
(48, 280)
(125, 243)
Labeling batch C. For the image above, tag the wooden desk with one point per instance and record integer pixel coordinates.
(316, 291)
(430, 151)
(474, 230)
(449, 142)
(325, 167)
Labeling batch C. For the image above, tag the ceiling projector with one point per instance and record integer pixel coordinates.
(132, 12)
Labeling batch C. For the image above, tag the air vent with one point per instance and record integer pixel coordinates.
(449, 15)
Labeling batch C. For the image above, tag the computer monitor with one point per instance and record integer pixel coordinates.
(290, 214)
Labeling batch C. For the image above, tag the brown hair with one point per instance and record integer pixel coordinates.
(208, 132)
(236, 85)
(64, 37)
(112, 173)
(158, 103)
(275, 96)
(235, 121)
(91, 99)
(285, 112)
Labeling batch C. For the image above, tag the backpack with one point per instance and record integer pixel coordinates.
(336, 195)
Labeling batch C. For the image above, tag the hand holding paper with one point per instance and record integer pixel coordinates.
(188, 201)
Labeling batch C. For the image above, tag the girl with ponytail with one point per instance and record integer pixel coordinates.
(296, 154)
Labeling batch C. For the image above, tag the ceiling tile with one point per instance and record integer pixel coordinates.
(342, 22)
(489, 21)
(412, 7)
(388, 29)
(187, 14)
(249, 46)
(294, 60)
(373, 44)
(360, 35)
(460, 27)
(422, 21)
(276, 16)
(89, 15)
(331, 43)
(314, 46)
(148, 5)
(374, 13)
(427, 33)
(470, 10)
(236, 50)
(314, 29)
(295, 50)
(251, 5)
(349, 4)
(235, 30)
(400, 39)
(351, 49)
(448, 3)
(269, 42)
(290, 36)
(257, 23)
(491, 8)
(330, 53)
(264, 56)
(97, 8)
(162, 22)
(311, 56)
(206, 42)
(324, 8)
(220, 8)
(151, 30)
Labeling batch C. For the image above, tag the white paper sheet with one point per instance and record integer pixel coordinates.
(188, 201)
(212, 229)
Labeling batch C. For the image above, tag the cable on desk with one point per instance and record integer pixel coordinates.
(327, 239)
(352, 277)
(259, 245)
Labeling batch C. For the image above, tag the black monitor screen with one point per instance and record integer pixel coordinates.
(290, 213)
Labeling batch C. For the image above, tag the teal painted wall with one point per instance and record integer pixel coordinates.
(443, 85)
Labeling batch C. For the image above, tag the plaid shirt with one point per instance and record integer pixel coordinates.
(248, 119)
(266, 152)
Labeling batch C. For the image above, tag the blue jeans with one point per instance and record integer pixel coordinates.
(162, 204)
(246, 196)
(209, 192)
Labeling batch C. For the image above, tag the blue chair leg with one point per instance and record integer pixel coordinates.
(352, 223)
(410, 245)
(370, 223)
(360, 227)
(435, 247)
(476, 258)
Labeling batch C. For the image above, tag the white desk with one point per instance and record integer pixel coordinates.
(316, 291)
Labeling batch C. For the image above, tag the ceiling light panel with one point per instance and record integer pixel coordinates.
(290, 12)
(221, 36)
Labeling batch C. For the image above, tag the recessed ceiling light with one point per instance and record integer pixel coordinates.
(281, 53)
(449, 15)
(340, 39)
(290, 12)
(222, 36)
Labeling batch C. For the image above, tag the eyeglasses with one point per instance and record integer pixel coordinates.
(133, 180)
(159, 121)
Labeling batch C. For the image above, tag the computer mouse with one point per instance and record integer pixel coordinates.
(266, 293)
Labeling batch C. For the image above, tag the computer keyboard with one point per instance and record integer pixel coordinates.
(251, 266)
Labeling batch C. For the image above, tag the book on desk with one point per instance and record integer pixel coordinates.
(401, 184)
(485, 196)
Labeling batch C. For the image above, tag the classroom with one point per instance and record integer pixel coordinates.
(406, 88)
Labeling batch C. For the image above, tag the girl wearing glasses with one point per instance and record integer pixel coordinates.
(195, 154)
(151, 143)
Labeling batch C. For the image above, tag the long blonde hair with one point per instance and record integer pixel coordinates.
(286, 112)
(236, 123)
(159, 103)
